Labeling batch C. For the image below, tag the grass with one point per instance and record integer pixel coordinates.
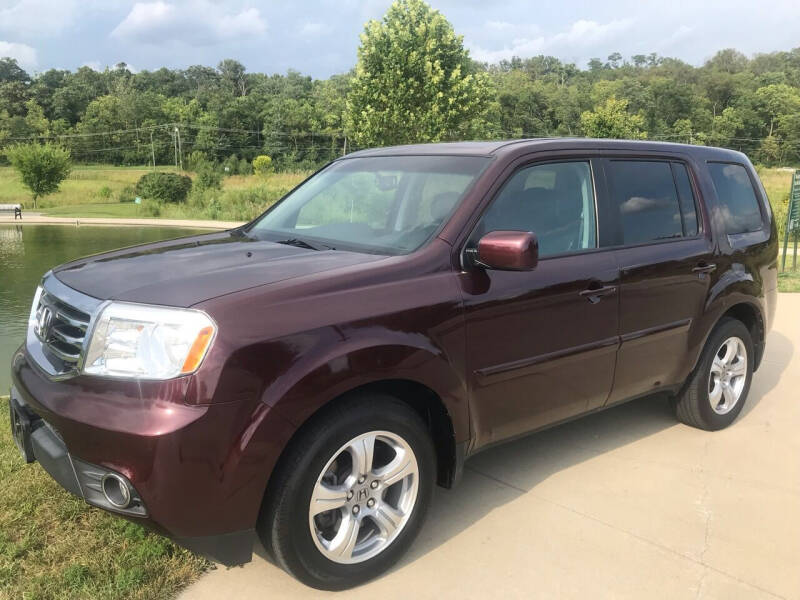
(789, 281)
(55, 546)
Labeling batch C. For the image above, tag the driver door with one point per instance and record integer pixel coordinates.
(541, 344)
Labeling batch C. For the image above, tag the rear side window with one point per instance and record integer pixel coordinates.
(645, 196)
(737, 198)
(686, 197)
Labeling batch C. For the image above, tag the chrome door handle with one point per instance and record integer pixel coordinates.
(705, 268)
(594, 295)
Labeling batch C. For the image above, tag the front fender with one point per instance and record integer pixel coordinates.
(335, 361)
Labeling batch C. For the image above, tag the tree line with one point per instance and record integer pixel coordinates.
(414, 82)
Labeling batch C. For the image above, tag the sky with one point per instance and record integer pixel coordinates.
(320, 37)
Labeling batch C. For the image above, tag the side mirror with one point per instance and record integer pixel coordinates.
(509, 250)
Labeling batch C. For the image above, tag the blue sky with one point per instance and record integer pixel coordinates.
(320, 37)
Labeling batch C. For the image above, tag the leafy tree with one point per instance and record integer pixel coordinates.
(42, 167)
(414, 80)
(612, 120)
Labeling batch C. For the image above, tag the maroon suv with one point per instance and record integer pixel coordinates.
(310, 376)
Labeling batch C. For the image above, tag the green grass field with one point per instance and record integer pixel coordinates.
(100, 191)
(53, 546)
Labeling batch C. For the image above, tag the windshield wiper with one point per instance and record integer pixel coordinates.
(304, 244)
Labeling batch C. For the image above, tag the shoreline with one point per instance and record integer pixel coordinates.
(153, 222)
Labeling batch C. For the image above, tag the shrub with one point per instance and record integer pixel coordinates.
(208, 177)
(231, 165)
(196, 159)
(262, 165)
(126, 194)
(164, 187)
(245, 168)
(104, 192)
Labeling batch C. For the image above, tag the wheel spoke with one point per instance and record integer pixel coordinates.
(730, 395)
(738, 368)
(344, 542)
(715, 395)
(717, 365)
(400, 467)
(387, 519)
(327, 498)
(730, 351)
(362, 451)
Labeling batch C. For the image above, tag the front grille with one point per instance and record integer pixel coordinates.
(61, 328)
(58, 327)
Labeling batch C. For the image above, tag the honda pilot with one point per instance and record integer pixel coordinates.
(309, 377)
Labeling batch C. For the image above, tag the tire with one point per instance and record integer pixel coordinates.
(706, 402)
(322, 465)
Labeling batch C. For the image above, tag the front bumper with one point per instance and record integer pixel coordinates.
(198, 473)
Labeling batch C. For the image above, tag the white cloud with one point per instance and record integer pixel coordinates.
(25, 55)
(193, 22)
(38, 17)
(580, 37)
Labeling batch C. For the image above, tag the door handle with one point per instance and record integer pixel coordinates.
(704, 267)
(594, 295)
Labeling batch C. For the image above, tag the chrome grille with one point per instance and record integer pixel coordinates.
(59, 324)
(61, 328)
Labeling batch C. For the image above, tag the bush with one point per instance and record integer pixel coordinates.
(104, 192)
(164, 187)
(245, 168)
(231, 165)
(196, 159)
(262, 165)
(126, 194)
(208, 177)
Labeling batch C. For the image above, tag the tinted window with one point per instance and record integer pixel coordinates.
(554, 200)
(736, 197)
(686, 197)
(644, 194)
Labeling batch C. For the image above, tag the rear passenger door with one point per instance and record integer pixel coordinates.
(666, 259)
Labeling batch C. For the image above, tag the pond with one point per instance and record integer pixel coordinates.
(28, 251)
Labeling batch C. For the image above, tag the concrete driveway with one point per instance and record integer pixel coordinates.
(621, 504)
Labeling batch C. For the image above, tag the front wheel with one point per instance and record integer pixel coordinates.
(351, 493)
(715, 393)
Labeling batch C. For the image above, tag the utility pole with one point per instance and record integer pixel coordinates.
(152, 150)
(179, 149)
(175, 146)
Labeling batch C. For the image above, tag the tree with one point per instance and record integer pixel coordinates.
(414, 81)
(42, 167)
(612, 120)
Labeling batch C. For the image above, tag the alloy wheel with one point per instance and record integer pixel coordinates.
(728, 375)
(364, 497)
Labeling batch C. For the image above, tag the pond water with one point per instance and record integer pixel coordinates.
(28, 251)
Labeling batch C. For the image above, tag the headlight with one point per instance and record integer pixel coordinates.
(148, 342)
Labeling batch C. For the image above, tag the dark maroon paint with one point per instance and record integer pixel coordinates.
(509, 250)
(494, 353)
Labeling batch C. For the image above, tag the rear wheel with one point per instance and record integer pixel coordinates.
(716, 391)
(351, 493)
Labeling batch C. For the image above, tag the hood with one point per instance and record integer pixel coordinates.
(189, 270)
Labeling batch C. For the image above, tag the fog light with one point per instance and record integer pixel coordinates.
(116, 490)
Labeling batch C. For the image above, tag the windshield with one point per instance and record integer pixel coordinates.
(386, 205)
